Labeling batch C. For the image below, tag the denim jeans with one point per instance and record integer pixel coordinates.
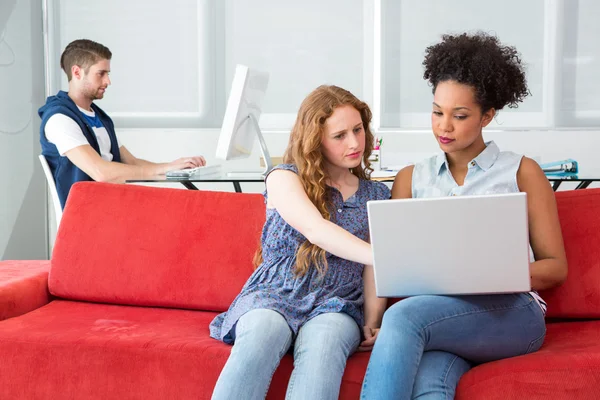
(426, 343)
(262, 337)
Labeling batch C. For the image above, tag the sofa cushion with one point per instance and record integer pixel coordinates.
(579, 296)
(123, 352)
(566, 367)
(135, 245)
(23, 287)
(95, 351)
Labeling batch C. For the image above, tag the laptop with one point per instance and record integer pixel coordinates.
(450, 245)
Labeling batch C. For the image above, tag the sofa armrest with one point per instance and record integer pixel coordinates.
(23, 287)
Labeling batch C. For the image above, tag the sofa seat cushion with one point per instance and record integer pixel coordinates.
(566, 367)
(96, 351)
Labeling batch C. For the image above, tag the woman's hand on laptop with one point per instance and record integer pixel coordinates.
(370, 336)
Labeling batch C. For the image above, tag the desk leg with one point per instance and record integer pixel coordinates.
(189, 185)
(583, 184)
(237, 187)
(555, 185)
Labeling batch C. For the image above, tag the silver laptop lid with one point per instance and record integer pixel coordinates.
(450, 245)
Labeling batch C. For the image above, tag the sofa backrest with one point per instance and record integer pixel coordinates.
(579, 296)
(144, 246)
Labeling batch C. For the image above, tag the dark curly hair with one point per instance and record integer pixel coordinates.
(478, 60)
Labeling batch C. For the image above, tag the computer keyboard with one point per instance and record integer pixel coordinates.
(194, 172)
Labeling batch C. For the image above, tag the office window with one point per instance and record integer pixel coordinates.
(408, 27)
(301, 44)
(173, 60)
(162, 65)
(22, 186)
(579, 103)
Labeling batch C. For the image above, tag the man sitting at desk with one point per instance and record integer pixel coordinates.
(78, 138)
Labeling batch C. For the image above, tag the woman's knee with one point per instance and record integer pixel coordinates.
(328, 333)
(263, 328)
(409, 310)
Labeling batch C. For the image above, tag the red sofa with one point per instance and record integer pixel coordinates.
(138, 273)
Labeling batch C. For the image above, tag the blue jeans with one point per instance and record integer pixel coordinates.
(427, 343)
(262, 337)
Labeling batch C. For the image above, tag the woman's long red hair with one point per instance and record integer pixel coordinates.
(304, 150)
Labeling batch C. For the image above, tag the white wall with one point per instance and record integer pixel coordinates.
(22, 184)
(173, 60)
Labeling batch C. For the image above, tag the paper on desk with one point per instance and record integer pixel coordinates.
(384, 174)
(388, 172)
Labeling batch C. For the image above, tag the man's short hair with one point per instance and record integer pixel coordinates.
(83, 53)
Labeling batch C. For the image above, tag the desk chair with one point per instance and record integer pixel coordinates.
(52, 187)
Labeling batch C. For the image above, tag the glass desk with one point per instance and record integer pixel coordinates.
(583, 181)
(190, 183)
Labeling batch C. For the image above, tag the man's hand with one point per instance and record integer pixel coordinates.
(186, 162)
(370, 336)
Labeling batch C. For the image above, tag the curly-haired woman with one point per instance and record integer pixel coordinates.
(307, 289)
(426, 343)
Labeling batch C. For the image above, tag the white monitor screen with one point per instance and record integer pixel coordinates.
(240, 124)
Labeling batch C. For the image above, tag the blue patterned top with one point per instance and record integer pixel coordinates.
(491, 172)
(274, 286)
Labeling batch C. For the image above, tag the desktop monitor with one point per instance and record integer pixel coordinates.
(240, 124)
